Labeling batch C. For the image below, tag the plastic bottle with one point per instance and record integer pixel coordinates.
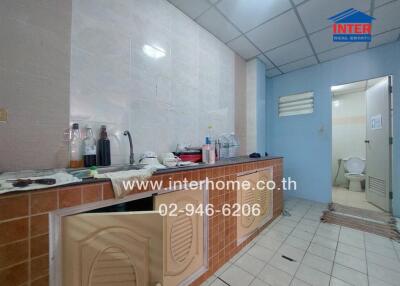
(104, 148)
(209, 136)
(76, 160)
(89, 148)
(234, 145)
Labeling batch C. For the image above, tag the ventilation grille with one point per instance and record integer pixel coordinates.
(113, 268)
(377, 185)
(181, 237)
(296, 104)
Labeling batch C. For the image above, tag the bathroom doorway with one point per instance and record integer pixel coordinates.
(361, 144)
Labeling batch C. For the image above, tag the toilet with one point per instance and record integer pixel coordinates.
(354, 168)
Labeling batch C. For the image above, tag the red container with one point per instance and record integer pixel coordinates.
(195, 158)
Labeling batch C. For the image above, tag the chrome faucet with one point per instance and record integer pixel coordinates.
(131, 157)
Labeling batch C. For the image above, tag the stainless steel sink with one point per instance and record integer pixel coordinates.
(117, 168)
(84, 172)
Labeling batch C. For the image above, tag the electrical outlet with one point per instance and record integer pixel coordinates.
(3, 115)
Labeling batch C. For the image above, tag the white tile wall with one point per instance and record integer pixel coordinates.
(162, 101)
(34, 81)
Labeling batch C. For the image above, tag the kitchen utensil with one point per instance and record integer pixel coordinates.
(19, 183)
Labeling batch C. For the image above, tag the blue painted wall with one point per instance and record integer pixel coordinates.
(306, 141)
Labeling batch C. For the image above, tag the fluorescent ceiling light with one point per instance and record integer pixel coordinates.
(336, 103)
(336, 87)
(154, 51)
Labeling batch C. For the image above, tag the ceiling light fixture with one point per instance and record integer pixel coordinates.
(154, 51)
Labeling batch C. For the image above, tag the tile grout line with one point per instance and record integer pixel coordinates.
(305, 252)
(304, 30)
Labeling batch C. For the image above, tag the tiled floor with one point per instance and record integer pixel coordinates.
(353, 199)
(321, 254)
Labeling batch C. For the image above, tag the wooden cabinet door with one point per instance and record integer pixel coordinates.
(265, 197)
(246, 196)
(113, 249)
(184, 237)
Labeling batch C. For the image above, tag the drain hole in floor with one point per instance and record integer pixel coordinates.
(288, 258)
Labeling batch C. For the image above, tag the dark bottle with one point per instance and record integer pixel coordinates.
(104, 148)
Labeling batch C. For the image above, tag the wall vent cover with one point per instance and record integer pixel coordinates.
(296, 104)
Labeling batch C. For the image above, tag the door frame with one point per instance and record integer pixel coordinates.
(391, 128)
(55, 231)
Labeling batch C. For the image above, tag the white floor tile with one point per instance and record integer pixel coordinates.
(302, 234)
(261, 253)
(258, 282)
(297, 242)
(373, 239)
(274, 276)
(351, 250)
(352, 237)
(283, 264)
(382, 250)
(250, 264)
(217, 282)
(321, 251)
(318, 263)
(351, 262)
(298, 282)
(384, 261)
(337, 282)
(383, 274)
(328, 233)
(326, 242)
(292, 252)
(235, 276)
(283, 228)
(275, 234)
(269, 243)
(376, 282)
(349, 275)
(312, 276)
(222, 269)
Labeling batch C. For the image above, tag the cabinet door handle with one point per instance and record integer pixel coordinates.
(366, 141)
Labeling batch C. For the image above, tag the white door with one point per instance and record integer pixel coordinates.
(378, 177)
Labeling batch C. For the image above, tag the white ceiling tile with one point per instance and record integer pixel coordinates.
(213, 1)
(276, 32)
(299, 64)
(244, 48)
(387, 18)
(273, 72)
(381, 2)
(384, 38)
(216, 24)
(192, 8)
(297, 2)
(315, 13)
(342, 51)
(250, 13)
(323, 40)
(293, 51)
(266, 61)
